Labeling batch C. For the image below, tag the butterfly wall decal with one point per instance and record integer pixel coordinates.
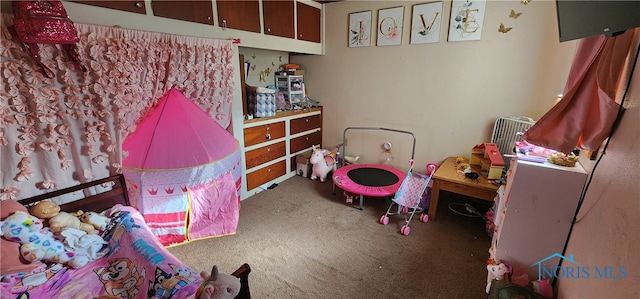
(525, 2)
(514, 15)
(504, 29)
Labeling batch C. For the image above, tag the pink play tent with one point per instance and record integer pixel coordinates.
(184, 172)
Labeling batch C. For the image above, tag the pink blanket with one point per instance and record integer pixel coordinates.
(136, 266)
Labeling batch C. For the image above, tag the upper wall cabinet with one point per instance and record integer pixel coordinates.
(192, 11)
(278, 18)
(241, 15)
(309, 22)
(130, 6)
(281, 25)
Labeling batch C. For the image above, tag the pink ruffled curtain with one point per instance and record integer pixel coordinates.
(597, 80)
(60, 132)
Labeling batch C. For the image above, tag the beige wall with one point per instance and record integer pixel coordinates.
(607, 232)
(448, 94)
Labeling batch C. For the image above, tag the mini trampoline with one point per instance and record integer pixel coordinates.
(376, 180)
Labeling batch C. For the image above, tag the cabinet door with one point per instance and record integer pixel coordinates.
(308, 23)
(130, 6)
(278, 18)
(239, 14)
(192, 11)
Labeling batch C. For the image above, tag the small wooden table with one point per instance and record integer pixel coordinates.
(447, 178)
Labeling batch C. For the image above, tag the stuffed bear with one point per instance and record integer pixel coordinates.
(218, 285)
(38, 244)
(58, 220)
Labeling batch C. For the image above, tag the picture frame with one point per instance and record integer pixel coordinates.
(426, 22)
(390, 22)
(466, 20)
(359, 29)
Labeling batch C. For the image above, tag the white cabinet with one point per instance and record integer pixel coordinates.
(533, 214)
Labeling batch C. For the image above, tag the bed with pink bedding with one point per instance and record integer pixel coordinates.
(132, 263)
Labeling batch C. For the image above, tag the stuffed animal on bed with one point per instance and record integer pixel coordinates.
(98, 221)
(37, 243)
(218, 285)
(58, 220)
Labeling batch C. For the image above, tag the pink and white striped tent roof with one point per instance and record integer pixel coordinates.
(183, 168)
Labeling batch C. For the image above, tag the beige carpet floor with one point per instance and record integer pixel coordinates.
(302, 241)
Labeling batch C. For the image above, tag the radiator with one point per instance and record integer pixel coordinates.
(508, 130)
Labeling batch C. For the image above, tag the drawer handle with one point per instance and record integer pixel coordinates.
(269, 170)
(307, 120)
(139, 4)
(306, 138)
(267, 136)
(268, 149)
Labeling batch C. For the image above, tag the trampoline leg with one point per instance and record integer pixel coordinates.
(361, 199)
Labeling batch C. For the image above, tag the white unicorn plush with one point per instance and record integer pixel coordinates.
(323, 163)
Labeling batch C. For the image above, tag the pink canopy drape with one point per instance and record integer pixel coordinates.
(59, 132)
(585, 115)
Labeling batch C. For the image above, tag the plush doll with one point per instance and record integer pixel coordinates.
(58, 220)
(37, 243)
(495, 272)
(218, 285)
(12, 261)
(323, 162)
(98, 221)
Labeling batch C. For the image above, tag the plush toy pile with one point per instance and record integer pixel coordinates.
(70, 238)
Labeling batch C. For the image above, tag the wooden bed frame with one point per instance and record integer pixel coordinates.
(116, 195)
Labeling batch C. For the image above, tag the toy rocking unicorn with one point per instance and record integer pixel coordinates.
(323, 162)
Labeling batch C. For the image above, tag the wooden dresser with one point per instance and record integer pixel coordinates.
(272, 143)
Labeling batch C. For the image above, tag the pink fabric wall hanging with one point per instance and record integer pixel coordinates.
(585, 115)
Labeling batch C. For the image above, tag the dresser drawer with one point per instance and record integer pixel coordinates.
(259, 134)
(265, 154)
(306, 141)
(265, 174)
(305, 123)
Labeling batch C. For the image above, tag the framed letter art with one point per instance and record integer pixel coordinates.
(466, 20)
(390, 26)
(425, 23)
(360, 29)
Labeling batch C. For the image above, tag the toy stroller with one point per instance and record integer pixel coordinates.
(408, 198)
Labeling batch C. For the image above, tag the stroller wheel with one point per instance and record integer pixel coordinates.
(384, 220)
(424, 217)
(405, 230)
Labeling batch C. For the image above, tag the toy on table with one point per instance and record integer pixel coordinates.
(37, 244)
(323, 162)
(59, 220)
(218, 285)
